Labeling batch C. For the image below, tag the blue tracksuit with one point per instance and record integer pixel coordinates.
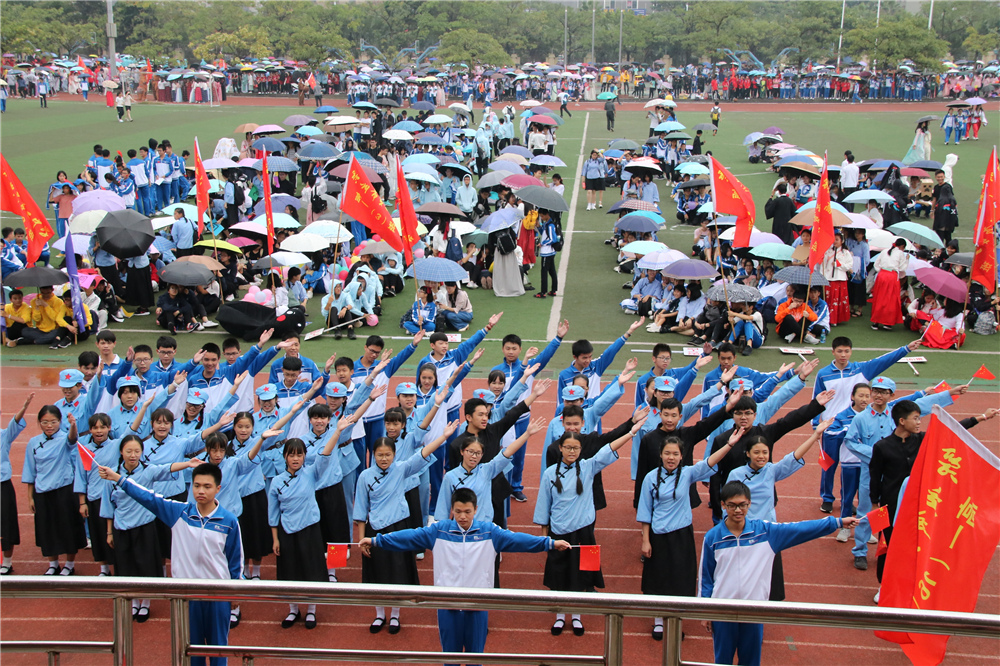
(591, 372)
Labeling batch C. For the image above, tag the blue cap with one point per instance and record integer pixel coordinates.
(197, 396)
(485, 395)
(267, 392)
(573, 392)
(69, 378)
(336, 390)
(665, 383)
(884, 383)
(406, 388)
(128, 380)
(741, 383)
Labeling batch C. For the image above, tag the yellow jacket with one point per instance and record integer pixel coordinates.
(65, 317)
(23, 312)
(44, 313)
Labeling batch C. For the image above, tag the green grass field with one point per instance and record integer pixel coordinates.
(37, 143)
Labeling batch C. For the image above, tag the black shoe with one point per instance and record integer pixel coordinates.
(658, 632)
(577, 627)
(742, 344)
(826, 507)
(540, 295)
(142, 615)
(518, 496)
(310, 620)
(861, 563)
(234, 619)
(557, 628)
(377, 625)
(394, 625)
(338, 335)
(350, 334)
(747, 350)
(290, 619)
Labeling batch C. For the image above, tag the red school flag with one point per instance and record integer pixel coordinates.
(590, 558)
(983, 373)
(731, 197)
(407, 215)
(878, 519)
(984, 261)
(86, 457)
(268, 206)
(360, 200)
(822, 231)
(201, 187)
(947, 529)
(14, 198)
(336, 555)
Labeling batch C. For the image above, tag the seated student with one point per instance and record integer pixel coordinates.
(748, 329)
(789, 317)
(422, 314)
(466, 549)
(647, 290)
(748, 547)
(947, 331)
(821, 327)
(665, 311)
(710, 325)
(921, 311)
(173, 311)
(689, 309)
(16, 314)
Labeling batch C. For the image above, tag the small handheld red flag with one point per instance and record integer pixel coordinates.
(883, 546)
(201, 187)
(336, 555)
(878, 519)
(590, 558)
(983, 373)
(86, 457)
(825, 461)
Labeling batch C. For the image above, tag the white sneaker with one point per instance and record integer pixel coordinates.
(420, 556)
(789, 337)
(209, 324)
(812, 339)
(843, 535)
(878, 593)
(873, 540)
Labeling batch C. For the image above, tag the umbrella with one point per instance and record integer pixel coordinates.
(298, 120)
(36, 276)
(774, 130)
(669, 126)
(801, 275)
(110, 85)
(653, 103)
(738, 293)
(423, 177)
(245, 127)
(942, 282)
(807, 216)
(506, 166)
(408, 126)
(752, 137)
(333, 231)
(397, 135)
(125, 233)
(208, 262)
(420, 158)
(190, 211)
(543, 197)
(385, 101)
(86, 223)
(776, 251)
(422, 106)
(284, 221)
(305, 242)
(690, 269)
(694, 182)
(547, 160)
(638, 223)
(492, 179)
(219, 245)
(880, 239)
(437, 119)
(607, 95)
(341, 120)
(864, 196)
(693, 168)
(457, 106)
(644, 247)
(513, 157)
(437, 269)
(624, 144)
(341, 171)
(960, 259)
(186, 274)
(282, 259)
(660, 259)
(326, 108)
(249, 228)
(80, 243)
(502, 219)
(632, 204)
(441, 208)
(516, 181)
(376, 247)
(269, 129)
(307, 130)
(518, 150)
(316, 151)
(277, 164)
(544, 120)
(926, 164)
(528, 103)
(102, 200)
(218, 163)
(958, 105)
(461, 228)
(859, 221)
(917, 233)
(268, 144)
(364, 105)
(926, 119)
(431, 140)
(757, 237)
(976, 101)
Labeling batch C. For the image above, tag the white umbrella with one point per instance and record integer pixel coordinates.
(341, 120)
(397, 135)
(86, 223)
(461, 228)
(880, 239)
(305, 242)
(417, 175)
(334, 231)
(458, 106)
(287, 259)
(162, 222)
(529, 103)
(81, 243)
(653, 103)
(218, 163)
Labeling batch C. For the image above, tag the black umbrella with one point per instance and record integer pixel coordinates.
(697, 182)
(422, 106)
(959, 259)
(926, 119)
(543, 197)
(125, 233)
(36, 276)
(186, 274)
(385, 101)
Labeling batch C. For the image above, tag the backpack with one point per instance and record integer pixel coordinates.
(454, 250)
(239, 196)
(557, 240)
(506, 241)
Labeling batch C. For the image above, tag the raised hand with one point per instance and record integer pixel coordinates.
(226, 419)
(180, 378)
(728, 375)
(272, 432)
(265, 336)
(702, 362)
(240, 378)
(27, 401)
(563, 328)
(736, 436)
(823, 425)
(346, 422)
(635, 325)
(734, 397)
(640, 414)
(129, 355)
(108, 474)
(541, 387)
(530, 354)
(959, 390)
(530, 370)
(284, 344)
(418, 337)
(806, 368)
(825, 397)
(200, 354)
(536, 426)
(439, 395)
(785, 367)
(913, 346)
(71, 419)
(379, 391)
(631, 364)
(450, 429)
(493, 320)
(478, 354)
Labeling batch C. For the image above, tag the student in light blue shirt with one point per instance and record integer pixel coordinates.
(90, 487)
(184, 233)
(10, 533)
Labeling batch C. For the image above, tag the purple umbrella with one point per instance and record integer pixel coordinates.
(547, 160)
(98, 200)
(942, 282)
(774, 130)
(690, 269)
(518, 150)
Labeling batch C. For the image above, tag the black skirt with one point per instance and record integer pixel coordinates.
(163, 530)
(673, 567)
(58, 523)
(99, 547)
(857, 294)
(10, 530)
(416, 517)
(333, 520)
(562, 567)
(777, 580)
(302, 555)
(139, 287)
(137, 551)
(391, 567)
(255, 531)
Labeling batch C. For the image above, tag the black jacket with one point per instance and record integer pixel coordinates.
(780, 210)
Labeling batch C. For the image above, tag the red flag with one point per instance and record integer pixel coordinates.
(825, 461)
(947, 529)
(407, 215)
(731, 197)
(984, 261)
(983, 373)
(86, 457)
(14, 198)
(942, 388)
(590, 558)
(268, 207)
(878, 519)
(822, 231)
(311, 81)
(86, 70)
(883, 547)
(336, 555)
(200, 187)
(149, 66)
(360, 200)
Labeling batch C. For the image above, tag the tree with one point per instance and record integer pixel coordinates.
(977, 45)
(474, 48)
(246, 42)
(895, 40)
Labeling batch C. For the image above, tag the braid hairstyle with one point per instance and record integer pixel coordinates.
(565, 437)
(672, 439)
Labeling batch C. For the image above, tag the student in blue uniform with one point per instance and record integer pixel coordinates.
(380, 507)
(670, 564)
(466, 549)
(10, 532)
(565, 510)
(736, 564)
(49, 463)
(81, 406)
(293, 514)
(584, 363)
(206, 545)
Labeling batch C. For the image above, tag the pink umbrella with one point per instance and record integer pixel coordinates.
(240, 242)
(248, 162)
(269, 129)
(98, 200)
(543, 120)
(342, 171)
(942, 282)
(516, 181)
(250, 228)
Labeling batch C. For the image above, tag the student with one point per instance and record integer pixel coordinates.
(850, 464)
(548, 240)
(207, 546)
(293, 514)
(310, 370)
(670, 565)
(10, 532)
(565, 510)
(584, 363)
(380, 507)
(466, 549)
(422, 314)
(736, 563)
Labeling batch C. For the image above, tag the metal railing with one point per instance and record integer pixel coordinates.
(614, 607)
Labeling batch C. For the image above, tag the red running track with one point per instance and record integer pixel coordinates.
(821, 571)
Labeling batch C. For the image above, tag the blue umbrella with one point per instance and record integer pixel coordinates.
(408, 126)
(547, 160)
(917, 233)
(659, 219)
(420, 167)
(800, 275)
(502, 219)
(644, 247)
(437, 269)
(613, 154)
(268, 144)
(776, 251)
(422, 106)
(504, 165)
(885, 164)
(690, 269)
(431, 140)
(864, 196)
(318, 151)
(454, 166)
(364, 105)
(752, 138)
(421, 158)
(638, 223)
(277, 164)
(926, 164)
(669, 126)
(518, 150)
(325, 109)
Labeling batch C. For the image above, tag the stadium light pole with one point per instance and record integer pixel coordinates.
(840, 42)
(930, 15)
(621, 22)
(565, 39)
(112, 33)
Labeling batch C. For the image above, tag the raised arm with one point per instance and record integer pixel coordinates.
(430, 448)
(536, 426)
(816, 435)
